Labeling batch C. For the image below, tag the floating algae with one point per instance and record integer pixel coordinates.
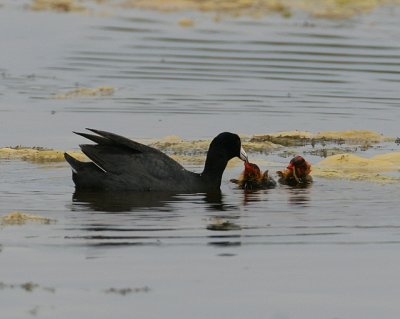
(352, 136)
(20, 218)
(126, 291)
(302, 138)
(342, 9)
(353, 167)
(378, 163)
(27, 286)
(251, 145)
(36, 154)
(86, 92)
(186, 22)
(57, 5)
(254, 8)
(219, 224)
(176, 145)
(291, 138)
(330, 9)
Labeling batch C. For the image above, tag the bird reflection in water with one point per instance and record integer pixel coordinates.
(121, 201)
(300, 196)
(253, 196)
(130, 201)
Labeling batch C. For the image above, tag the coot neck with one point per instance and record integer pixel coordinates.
(214, 168)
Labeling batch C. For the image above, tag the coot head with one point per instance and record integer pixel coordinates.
(227, 145)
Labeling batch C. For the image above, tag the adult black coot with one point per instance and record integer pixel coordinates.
(120, 164)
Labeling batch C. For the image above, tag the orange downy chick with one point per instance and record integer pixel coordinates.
(297, 172)
(252, 178)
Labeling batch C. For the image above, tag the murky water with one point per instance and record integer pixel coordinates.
(241, 74)
(328, 251)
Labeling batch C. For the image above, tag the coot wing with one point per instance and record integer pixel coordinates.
(133, 163)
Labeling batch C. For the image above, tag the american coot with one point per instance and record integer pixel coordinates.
(297, 173)
(253, 179)
(119, 163)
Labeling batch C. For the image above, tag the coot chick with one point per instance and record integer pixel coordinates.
(120, 164)
(297, 173)
(252, 178)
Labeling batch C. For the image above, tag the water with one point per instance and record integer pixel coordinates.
(251, 76)
(328, 251)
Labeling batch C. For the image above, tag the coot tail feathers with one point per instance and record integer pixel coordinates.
(75, 164)
(94, 153)
(95, 138)
(122, 141)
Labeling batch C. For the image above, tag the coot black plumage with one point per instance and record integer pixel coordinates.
(119, 163)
